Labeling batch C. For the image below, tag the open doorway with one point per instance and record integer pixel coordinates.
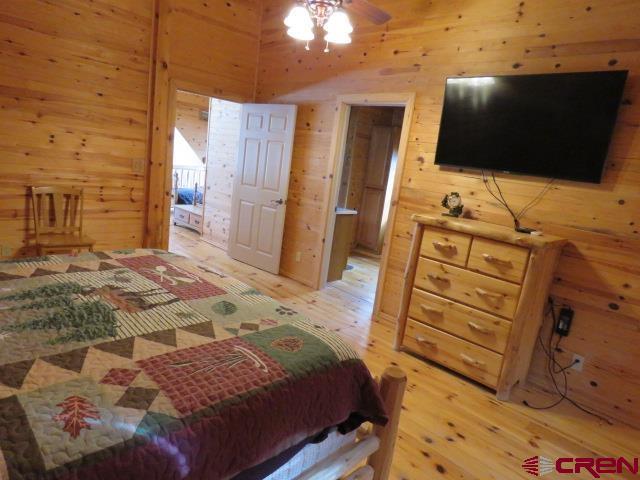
(368, 151)
(230, 165)
(364, 198)
(205, 151)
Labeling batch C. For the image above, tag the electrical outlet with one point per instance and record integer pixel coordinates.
(6, 251)
(578, 362)
(298, 256)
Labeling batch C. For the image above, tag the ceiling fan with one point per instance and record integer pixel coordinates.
(367, 10)
(330, 16)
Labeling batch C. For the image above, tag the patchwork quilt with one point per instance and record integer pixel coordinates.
(141, 364)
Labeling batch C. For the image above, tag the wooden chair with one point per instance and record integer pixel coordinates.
(57, 214)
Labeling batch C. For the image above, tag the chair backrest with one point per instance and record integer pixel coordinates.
(57, 210)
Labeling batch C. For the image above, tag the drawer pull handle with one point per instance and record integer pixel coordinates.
(437, 278)
(497, 261)
(484, 293)
(422, 340)
(448, 247)
(472, 362)
(426, 309)
(479, 328)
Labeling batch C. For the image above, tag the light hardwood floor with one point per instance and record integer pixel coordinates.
(450, 428)
(360, 281)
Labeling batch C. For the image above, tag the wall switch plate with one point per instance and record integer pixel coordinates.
(137, 165)
(578, 362)
(298, 256)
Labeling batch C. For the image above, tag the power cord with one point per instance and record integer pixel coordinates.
(502, 201)
(554, 368)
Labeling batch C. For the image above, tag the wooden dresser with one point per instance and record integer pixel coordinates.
(474, 297)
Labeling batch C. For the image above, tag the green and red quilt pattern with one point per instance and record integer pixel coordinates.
(141, 364)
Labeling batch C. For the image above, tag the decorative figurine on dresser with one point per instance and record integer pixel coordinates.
(474, 297)
(453, 201)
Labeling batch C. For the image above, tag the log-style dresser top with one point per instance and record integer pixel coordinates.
(489, 230)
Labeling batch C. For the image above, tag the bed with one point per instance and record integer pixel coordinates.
(142, 364)
(188, 197)
(188, 183)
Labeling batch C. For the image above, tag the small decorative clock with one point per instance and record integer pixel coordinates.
(453, 201)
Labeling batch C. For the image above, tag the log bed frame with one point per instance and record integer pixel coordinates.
(375, 446)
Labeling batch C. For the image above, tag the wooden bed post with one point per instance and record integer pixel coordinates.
(392, 386)
(376, 447)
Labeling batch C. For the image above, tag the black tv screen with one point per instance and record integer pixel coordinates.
(555, 125)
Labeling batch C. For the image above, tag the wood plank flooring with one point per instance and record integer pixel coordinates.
(359, 281)
(450, 428)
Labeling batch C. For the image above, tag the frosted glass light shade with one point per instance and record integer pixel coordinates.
(301, 33)
(339, 24)
(299, 19)
(341, 38)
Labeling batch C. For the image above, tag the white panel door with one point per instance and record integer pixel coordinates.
(261, 184)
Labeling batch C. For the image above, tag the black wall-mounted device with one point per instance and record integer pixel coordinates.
(565, 317)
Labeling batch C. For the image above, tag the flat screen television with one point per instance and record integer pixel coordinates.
(555, 125)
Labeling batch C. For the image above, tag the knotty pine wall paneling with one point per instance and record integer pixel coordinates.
(224, 136)
(87, 94)
(599, 274)
(209, 48)
(74, 87)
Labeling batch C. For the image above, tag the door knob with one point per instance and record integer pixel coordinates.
(280, 201)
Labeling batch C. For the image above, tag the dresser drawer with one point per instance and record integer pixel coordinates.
(181, 215)
(471, 360)
(486, 293)
(498, 259)
(195, 220)
(445, 245)
(478, 327)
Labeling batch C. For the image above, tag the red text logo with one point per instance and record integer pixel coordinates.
(596, 466)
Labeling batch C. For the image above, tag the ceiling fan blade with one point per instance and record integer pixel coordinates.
(367, 10)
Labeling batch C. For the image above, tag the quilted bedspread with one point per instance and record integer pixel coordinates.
(141, 364)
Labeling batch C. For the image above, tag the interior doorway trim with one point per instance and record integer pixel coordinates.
(336, 160)
(159, 184)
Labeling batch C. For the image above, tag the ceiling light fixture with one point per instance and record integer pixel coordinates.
(325, 14)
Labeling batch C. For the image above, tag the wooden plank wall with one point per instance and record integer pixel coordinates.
(599, 274)
(75, 107)
(73, 111)
(191, 125)
(214, 46)
(224, 136)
